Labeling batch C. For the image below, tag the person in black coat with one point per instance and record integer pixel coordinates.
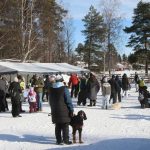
(144, 102)
(125, 85)
(61, 110)
(119, 85)
(136, 80)
(2, 95)
(82, 93)
(114, 89)
(15, 90)
(45, 88)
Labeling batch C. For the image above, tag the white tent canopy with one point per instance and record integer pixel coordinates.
(43, 68)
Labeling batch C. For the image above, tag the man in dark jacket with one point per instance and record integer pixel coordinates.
(2, 95)
(61, 110)
(119, 86)
(15, 90)
(114, 89)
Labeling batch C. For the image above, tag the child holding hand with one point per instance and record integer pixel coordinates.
(32, 100)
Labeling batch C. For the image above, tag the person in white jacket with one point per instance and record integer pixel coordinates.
(106, 93)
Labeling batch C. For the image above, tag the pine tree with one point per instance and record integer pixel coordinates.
(31, 29)
(140, 30)
(51, 25)
(94, 34)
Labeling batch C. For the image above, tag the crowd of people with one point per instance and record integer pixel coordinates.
(59, 94)
(83, 87)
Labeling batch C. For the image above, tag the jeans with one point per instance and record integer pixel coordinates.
(39, 100)
(105, 101)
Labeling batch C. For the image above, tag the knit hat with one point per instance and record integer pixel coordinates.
(105, 79)
(59, 78)
(15, 79)
(31, 91)
(52, 78)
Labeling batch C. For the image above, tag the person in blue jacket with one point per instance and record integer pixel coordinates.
(61, 110)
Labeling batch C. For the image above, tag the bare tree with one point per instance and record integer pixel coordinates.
(112, 19)
(27, 8)
(68, 34)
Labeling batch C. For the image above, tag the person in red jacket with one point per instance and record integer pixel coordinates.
(74, 84)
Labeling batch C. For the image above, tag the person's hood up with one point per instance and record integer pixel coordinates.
(57, 84)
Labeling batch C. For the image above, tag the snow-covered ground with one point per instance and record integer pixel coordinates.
(125, 129)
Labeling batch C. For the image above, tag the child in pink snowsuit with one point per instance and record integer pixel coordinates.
(32, 100)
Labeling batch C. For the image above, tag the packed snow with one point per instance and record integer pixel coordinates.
(125, 129)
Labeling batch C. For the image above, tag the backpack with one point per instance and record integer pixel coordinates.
(141, 83)
(13, 93)
(141, 97)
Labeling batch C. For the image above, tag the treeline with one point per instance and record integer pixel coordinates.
(42, 30)
(103, 32)
(140, 35)
(32, 30)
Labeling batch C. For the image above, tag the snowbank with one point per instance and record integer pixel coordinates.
(124, 129)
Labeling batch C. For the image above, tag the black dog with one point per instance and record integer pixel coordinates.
(77, 124)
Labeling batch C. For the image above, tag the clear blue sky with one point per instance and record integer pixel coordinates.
(79, 8)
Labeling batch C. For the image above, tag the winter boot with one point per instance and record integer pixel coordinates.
(94, 102)
(90, 103)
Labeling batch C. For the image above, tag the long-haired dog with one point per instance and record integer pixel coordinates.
(77, 124)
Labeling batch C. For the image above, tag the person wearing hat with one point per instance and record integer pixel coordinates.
(38, 87)
(114, 89)
(61, 110)
(105, 93)
(125, 85)
(74, 84)
(92, 88)
(15, 90)
(82, 92)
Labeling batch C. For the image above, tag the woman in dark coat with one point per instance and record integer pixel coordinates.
(114, 89)
(92, 89)
(119, 86)
(61, 110)
(15, 90)
(125, 85)
(82, 93)
(2, 95)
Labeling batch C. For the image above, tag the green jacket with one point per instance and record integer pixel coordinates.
(38, 86)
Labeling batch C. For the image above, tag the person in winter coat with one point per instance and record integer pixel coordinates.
(141, 84)
(45, 88)
(105, 93)
(114, 89)
(74, 84)
(82, 93)
(15, 90)
(38, 88)
(23, 87)
(61, 110)
(136, 80)
(119, 86)
(32, 100)
(143, 98)
(125, 85)
(102, 81)
(2, 95)
(6, 92)
(92, 89)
